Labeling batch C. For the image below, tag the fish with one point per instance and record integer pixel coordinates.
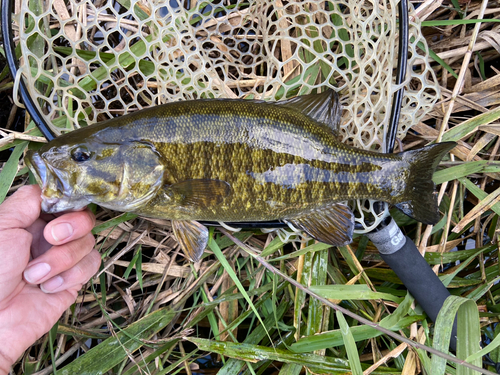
(233, 160)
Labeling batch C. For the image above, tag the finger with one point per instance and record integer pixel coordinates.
(58, 259)
(74, 277)
(21, 209)
(68, 227)
(39, 244)
(49, 217)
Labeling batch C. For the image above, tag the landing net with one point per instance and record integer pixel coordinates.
(88, 61)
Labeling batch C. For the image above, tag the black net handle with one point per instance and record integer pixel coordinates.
(391, 131)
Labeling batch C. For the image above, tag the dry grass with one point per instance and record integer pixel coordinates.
(144, 273)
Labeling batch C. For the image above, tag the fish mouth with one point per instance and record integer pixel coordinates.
(35, 163)
(57, 196)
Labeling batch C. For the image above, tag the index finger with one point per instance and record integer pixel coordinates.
(70, 226)
(22, 208)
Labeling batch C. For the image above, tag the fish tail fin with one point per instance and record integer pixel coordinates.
(419, 198)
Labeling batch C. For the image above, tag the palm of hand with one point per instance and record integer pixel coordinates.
(62, 265)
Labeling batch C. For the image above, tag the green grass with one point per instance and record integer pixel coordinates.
(255, 305)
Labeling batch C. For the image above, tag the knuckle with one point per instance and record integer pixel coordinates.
(74, 251)
(22, 237)
(95, 262)
(96, 258)
(79, 273)
(84, 270)
(67, 256)
(10, 218)
(89, 241)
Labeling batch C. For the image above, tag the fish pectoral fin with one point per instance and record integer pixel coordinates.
(333, 225)
(200, 192)
(324, 107)
(192, 237)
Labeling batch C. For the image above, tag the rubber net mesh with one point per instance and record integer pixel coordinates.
(87, 61)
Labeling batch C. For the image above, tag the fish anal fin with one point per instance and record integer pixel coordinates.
(199, 192)
(324, 107)
(192, 237)
(333, 225)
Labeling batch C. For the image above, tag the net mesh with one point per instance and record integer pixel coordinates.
(87, 61)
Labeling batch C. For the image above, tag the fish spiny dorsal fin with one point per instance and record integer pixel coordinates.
(333, 225)
(324, 108)
(192, 237)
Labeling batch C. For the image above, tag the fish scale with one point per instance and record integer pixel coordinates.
(253, 157)
(233, 161)
(257, 161)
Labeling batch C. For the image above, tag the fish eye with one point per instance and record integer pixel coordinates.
(80, 154)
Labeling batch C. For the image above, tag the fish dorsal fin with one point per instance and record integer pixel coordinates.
(324, 107)
(199, 192)
(192, 237)
(333, 225)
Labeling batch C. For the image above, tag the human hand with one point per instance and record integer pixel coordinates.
(43, 266)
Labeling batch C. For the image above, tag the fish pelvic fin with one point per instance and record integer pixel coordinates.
(419, 197)
(192, 237)
(324, 108)
(333, 225)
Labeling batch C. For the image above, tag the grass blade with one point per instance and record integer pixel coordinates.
(9, 170)
(468, 333)
(113, 222)
(290, 369)
(256, 353)
(469, 126)
(350, 345)
(223, 261)
(351, 292)
(468, 336)
(487, 349)
(438, 59)
(465, 169)
(334, 338)
(234, 365)
(115, 349)
(456, 22)
(478, 193)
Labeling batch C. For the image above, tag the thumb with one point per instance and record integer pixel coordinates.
(21, 209)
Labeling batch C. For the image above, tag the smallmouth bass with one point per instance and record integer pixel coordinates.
(229, 160)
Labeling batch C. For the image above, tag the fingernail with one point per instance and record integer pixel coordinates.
(36, 272)
(62, 231)
(52, 284)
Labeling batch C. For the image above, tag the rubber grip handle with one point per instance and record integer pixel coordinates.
(421, 281)
(401, 254)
